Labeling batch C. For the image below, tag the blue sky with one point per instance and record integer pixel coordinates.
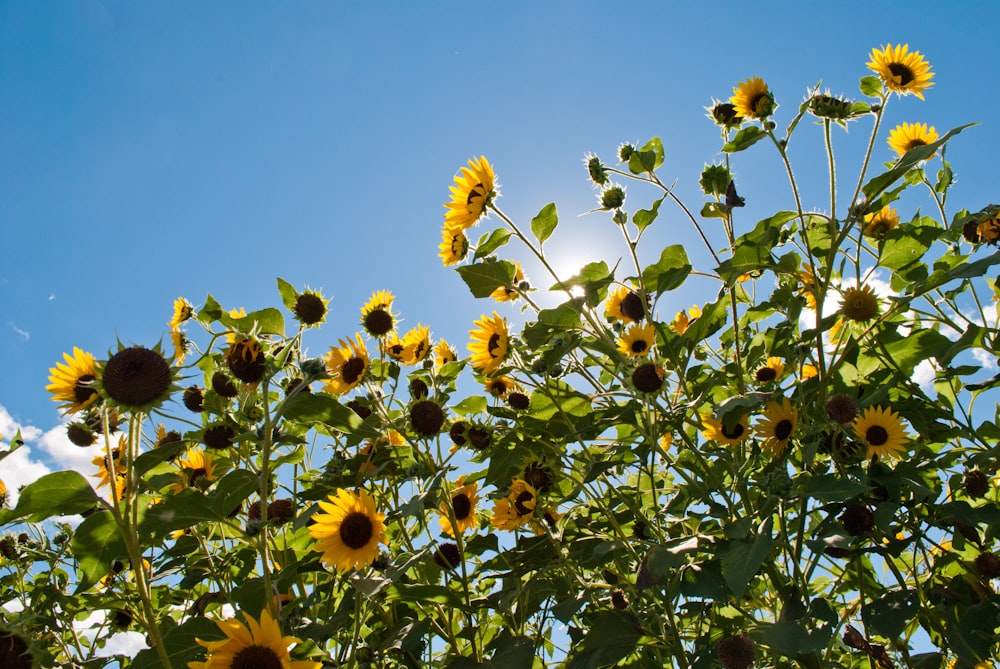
(150, 150)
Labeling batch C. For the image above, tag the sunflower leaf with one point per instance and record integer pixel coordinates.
(669, 272)
(642, 218)
(744, 139)
(878, 184)
(545, 222)
(96, 545)
(288, 293)
(491, 242)
(871, 86)
(59, 493)
(742, 559)
(483, 278)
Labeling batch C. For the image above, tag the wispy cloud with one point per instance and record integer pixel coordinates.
(23, 333)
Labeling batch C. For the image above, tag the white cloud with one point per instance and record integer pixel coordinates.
(924, 373)
(120, 643)
(19, 468)
(986, 359)
(23, 333)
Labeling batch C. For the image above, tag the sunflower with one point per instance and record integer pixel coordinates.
(251, 645)
(416, 345)
(393, 347)
(859, 304)
(348, 530)
(989, 230)
(809, 371)
(777, 426)
(183, 311)
(637, 340)
(245, 359)
(715, 430)
(376, 316)
(454, 246)
(197, 470)
(772, 370)
(901, 70)
(752, 99)
(509, 293)
(517, 508)
(443, 354)
(347, 365)
(625, 305)
(181, 344)
(489, 343)
(310, 308)
(906, 136)
(473, 191)
(137, 378)
(463, 504)
(115, 465)
(73, 383)
(724, 114)
(807, 287)
(3, 494)
(682, 321)
(16, 651)
(499, 386)
(882, 431)
(879, 223)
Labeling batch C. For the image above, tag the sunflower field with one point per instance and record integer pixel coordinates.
(798, 471)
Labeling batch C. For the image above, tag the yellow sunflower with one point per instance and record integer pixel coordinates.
(393, 347)
(714, 430)
(197, 470)
(807, 287)
(638, 340)
(251, 645)
(882, 431)
(772, 370)
(376, 316)
(463, 503)
(181, 343)
(509, 293)
(777, 426)
(73, 383)
(989, 230)
(3, 494)
(183, 312)
(859, 305)
(443, 354)
(115, 465)
(879, 223)
(416, 345)
(809, 371)
(752, 99)
(489, 343)
(906, 136)
(348, 530)
(499, 386)
(901, 70)
(454, 246)
(682, 321)
(347, 365)
(473, 191)
(517, 508)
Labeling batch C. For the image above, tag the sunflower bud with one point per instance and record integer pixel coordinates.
(831, 107)
(612, 198)
(736, 652)
(625, 152)
(596, 170)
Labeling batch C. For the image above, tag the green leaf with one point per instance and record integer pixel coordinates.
(312, 409)
(555, 398)
(593, 278)
(908, 352)
(647, 158)
(669, 272)
(714, 210)
(211, 312)
(661, 561)
(424, 592)
(879, 184)
(906, 245)
(545, 222)
(744, 139)
(57, 494)
(96, 545)
(483, 278)
(742, 559)
(288, 294)
(642, 218)
(190, 507)
(832, 488)
(15, 443)
(269, 321)
(889, 615)
(471, 405)
(871, 86)
(611, 636)
(491, 242)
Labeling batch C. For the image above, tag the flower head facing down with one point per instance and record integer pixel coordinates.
(777, 426)
(637, 340)
(715, 430)
(245, 359)
(901, 70)
(510, 293)
(906, 136)
(682, 321)
(376, 316)
(882, 431)
(348, 530)
(859, 305)
(454, 246)
(463, 503)
(197, 470)
(443, 354)
(517, 508)
(73, 383)
(489, 345)
(183, 312)
(251, 645)
(724, 115)
(474, 190)
(347, 365)
(310, 308)
(416, 345)
(753, 99)
(879, 223)
(772, 370)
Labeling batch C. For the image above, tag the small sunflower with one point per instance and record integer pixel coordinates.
(777, 426)
(906, 136)
(625, 305)
(859, 305)
(724, 114)
(752, 99)
(882, 431)
(879, 223)
(310, 308)
(809, 371)
(638, 340)
(137, 378)
(499, 386)
(715, 430)
(989, 230)
(3, 494)
(16, 651)
(251, 646)
(376, 316)
(901, 70)
(463, 503)
(416, 345)
(517, 508)
(73, 383)
(443, 354)
(197, 470)
(682, 321)
(183, 312)
(347, 365)
(393, 347)
(246, 359)
(454, 246)
(474, 190)
(348, 530)
(112, 466)
(181, 344)
(509, 293)
(772, 370)
(489, 345)
(807, 286)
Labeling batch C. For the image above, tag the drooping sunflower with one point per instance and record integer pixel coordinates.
(882, 430)
(347, 365)
(197, 470)
(859, 305)
(715, 430)
(517, 508)
(348, 530)
(3, 494)
(443, 354)
(637, 340)
(181, 343)
(499, 386)
(376, 316)
(807, 286)
(489, 345)
(772, 370)
(246, 360)
(136, 378)
(988, 230)
(509, 293)
(901, 70)
(112, 465)
(416, 345)
(625, 304)
(251, 646)
(682, 321)
(752, 99)
(879, 223)
(183, 312)
(777, 426)
(454, 246)
(463, 504)
(474, 190)
(724, 114)
(72, 383)
(906, 136)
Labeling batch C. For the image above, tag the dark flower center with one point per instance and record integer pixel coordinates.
(914, 143)
(783, 429)
(494, 344)
(463, 505)
(639, 345)
(765, 374)
(427, 418)
(520, 504)
(378, 322)
(447, 556)
(80, 435)
(477, 192)
(84, 388)
(734, 433)
(538, 476)
(633, 307)
(352, 370)
(498, 388)
(246, 361)
(309, 308)
(876, 435)
(195, 474)
(219, 436)
(223, 386)
(356, 530)
(256, 657)
(14, 651)
(901, 73)
(137, 376)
